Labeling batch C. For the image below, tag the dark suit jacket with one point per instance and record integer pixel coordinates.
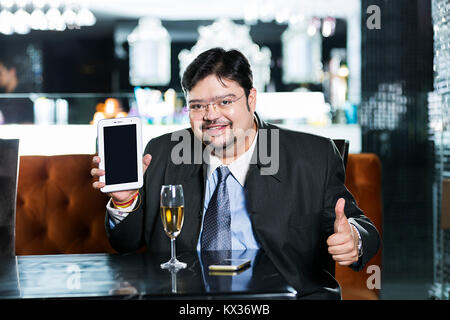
(292, 210)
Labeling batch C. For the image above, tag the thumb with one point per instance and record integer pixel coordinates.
(146, 162)
(340, 215)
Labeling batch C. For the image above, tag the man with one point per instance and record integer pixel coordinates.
(14, 110)
(295, 207)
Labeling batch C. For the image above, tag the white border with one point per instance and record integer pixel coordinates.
(101, 152)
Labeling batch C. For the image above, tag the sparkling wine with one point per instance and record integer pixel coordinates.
(172, 218)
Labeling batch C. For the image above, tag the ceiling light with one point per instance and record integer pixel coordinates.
(85, 17)
(38, 21)
(20, 16)
(21, 22)
(7, 3)
(6, 22)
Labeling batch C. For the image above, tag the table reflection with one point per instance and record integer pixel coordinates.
(216, 282)
(138, 276)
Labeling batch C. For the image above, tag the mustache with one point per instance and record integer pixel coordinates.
(206, 124)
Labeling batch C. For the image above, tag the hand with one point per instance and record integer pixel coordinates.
(118, 196)
(343, 244)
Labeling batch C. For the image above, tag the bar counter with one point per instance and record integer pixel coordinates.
(81, 139)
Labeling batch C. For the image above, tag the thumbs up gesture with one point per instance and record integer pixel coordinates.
(343, 244)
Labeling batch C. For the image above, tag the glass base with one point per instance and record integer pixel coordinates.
(173, 264)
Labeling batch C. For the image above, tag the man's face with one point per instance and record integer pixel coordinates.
(221, 126)
(5, 75)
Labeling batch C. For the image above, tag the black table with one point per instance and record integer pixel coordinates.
(137, 276)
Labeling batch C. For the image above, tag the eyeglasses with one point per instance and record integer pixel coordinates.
(223, 103)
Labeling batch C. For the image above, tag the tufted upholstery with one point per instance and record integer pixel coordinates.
(58, 211)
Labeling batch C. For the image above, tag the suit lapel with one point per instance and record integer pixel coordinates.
(190, 176)
(259, 181)
(257, 186)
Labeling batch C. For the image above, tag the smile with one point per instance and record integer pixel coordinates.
(215, 129)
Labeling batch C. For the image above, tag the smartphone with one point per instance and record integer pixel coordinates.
(120, 150)
(230, 265)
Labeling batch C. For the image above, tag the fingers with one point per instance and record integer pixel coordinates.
(339, 239)
(345, 253)
(146, 161)
(346, 262)
(341, 219)
(346, 259)
(339, 208)
(95, 172)
(341, 249)
(96, 160)
(98, 185)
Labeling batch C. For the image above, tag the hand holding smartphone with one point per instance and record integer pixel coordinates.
(97, 172)
(120, 151)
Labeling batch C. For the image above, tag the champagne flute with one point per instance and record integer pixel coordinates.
(172, 216)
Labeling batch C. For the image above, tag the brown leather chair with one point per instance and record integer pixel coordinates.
(363, 179)
(58, 211)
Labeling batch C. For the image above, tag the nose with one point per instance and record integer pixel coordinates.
(211, 112)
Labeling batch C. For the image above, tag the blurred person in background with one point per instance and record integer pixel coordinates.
(12, 109)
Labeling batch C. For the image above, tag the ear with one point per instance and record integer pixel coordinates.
(252, 100)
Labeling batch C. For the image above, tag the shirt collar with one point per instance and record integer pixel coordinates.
(238, 168)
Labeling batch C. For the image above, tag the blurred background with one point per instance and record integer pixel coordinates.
(374, 72)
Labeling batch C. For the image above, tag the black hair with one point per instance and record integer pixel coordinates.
(8, 62)
(231, 65)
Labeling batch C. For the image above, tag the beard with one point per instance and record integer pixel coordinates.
(222, 143)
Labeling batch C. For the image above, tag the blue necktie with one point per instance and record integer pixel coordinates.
(216, 234)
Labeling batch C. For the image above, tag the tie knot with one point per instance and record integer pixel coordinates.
(223, 173)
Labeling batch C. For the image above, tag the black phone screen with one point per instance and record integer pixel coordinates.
(120, 147)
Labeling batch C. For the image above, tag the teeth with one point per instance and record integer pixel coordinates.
(215, 127)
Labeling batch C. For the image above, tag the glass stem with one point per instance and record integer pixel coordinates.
(172, 249)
